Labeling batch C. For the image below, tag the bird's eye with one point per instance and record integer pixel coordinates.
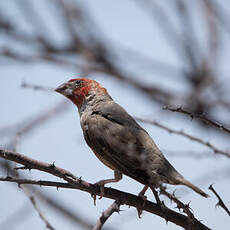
(78, 83)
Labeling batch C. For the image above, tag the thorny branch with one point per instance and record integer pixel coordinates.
(27, 191)
(180, 205)
(51, 201)
(20, 181)
(122, 197)
(200, 117)
(220, 201)
(114, 207)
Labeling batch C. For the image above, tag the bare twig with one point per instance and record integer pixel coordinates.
(182, 133)
(114, 207)
(63, 208)
(122, 197)
(41, 215)
(210, 13)
(158, 14)
(20, 181)
(199, 117)
(180, 205)
(220, 13)
(30, 123)
(148, 63)
(220, 201)
(189, 41)
(36, 87)
(32, 17)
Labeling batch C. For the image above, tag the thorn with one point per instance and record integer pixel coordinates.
(52, 165)
(217, 204)
(188, 206)
(174, 193)
(139, 212)
(210, 186)
(178, 207)
(94, 198)
(118, 210)
(166, 220)
(23, 168)
(80, 180)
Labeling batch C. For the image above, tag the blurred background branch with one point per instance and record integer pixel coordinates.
(189, 70)
(88, 49)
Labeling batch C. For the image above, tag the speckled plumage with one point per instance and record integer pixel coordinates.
(117, 139)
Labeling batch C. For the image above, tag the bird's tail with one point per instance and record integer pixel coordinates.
(183, 181)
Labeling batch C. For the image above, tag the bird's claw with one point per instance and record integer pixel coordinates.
(144, 199)
(102, 189)
(159, 202)
(139, 210)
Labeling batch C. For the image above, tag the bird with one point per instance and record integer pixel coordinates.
(118, 140)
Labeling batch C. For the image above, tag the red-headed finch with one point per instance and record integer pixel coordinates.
(118, 140)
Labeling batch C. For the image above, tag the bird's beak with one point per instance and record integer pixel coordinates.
(64, 89)
(61, 88)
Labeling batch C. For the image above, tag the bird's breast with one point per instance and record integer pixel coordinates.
(100, 157)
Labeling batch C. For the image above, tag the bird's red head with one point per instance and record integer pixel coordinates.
(78, 89)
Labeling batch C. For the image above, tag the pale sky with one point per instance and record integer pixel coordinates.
(61, 140)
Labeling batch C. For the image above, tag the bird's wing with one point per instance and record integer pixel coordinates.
(117, 140)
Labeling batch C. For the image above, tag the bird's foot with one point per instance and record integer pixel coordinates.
(101, 184)
(159, 202)
(139, 210)
(142, 195)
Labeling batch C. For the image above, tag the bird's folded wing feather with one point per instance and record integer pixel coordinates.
(117, 138)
